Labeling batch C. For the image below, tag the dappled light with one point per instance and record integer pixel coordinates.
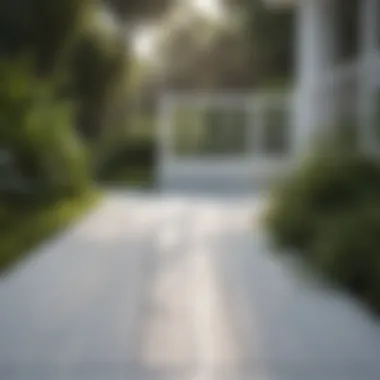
(189, 189)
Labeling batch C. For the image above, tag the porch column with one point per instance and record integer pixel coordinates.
(369, 46)
(316, 47)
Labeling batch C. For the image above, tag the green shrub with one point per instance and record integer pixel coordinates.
(38, 132)
(347, 249)
(326, 185)
(328, 212)
(133, 154)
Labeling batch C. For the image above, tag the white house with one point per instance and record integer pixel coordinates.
(325, 93)
(321, 84)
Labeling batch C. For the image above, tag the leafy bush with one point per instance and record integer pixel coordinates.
(324, 186)
(347, 249)
(328, 212)
(37, 131)
(133, 154)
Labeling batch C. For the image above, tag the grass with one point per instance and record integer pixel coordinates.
(24, 228)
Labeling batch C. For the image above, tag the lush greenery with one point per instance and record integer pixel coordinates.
(130, 163)
(23, 225)
(328, 212)
(38, 135)
(64, 67)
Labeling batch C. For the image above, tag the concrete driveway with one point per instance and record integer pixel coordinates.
(176, 287)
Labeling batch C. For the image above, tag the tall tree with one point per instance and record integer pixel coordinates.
(97, 68)
(271, 38)
(43, 27)
(135, 10)
(203, 54)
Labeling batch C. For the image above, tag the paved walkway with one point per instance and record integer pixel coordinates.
(173, 287)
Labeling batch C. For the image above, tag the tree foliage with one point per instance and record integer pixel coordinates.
(270, 33)
(132, 10)
(58, 72)
(44, 27)
(203, 54)
(98, 66)
(36, 130)
(73, 89)
(272, 39)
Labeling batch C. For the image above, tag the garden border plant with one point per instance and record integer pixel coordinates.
(328, 213)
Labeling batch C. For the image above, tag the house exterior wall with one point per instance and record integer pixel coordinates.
(320, 86)
(316, 51)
